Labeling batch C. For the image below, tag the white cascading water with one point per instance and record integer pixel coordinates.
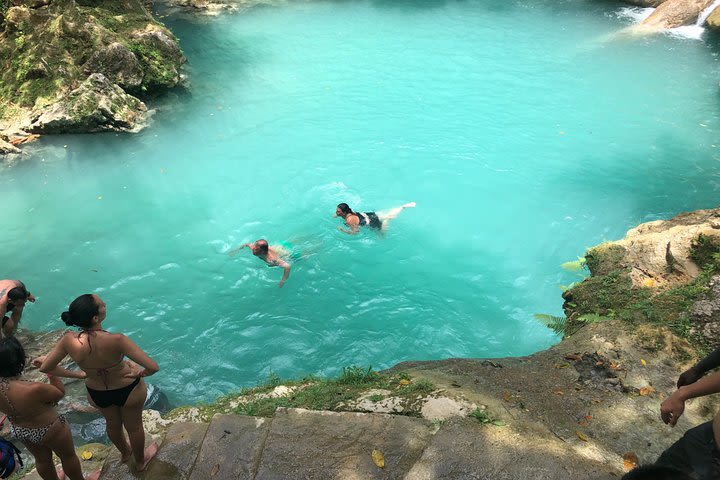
(706, 13)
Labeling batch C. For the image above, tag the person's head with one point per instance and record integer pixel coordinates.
(655, 472)
(260, 247)
(342, 210)
(12, 357)
(86, 311)
(18, 296)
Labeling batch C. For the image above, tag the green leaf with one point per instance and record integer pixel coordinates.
(557, 324)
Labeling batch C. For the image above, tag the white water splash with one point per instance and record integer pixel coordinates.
(634, 14)
(695, 31)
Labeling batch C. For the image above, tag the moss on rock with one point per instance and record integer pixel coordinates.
(49, 48)
(611, 292)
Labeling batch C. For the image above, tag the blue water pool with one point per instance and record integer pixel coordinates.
(526, 131)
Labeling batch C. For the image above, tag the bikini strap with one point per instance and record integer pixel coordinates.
(4, 386)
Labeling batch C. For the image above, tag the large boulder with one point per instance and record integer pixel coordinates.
(675, 13)
(95, 106)
(713, 20)
(118, 64)
(51, 47)
(645, 3)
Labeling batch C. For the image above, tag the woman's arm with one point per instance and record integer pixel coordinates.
(60, 371)
(48, 393)
(55, 356)
(136, 354)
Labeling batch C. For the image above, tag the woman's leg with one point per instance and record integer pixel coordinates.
(132, 420)
(59, 440)
(114, 428)
(43, 461)
(385, 217)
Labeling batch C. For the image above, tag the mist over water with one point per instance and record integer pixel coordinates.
(525, 131)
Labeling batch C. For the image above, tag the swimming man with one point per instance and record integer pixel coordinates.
(270, 255)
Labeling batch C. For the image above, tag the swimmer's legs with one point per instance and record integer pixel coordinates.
(385, 217)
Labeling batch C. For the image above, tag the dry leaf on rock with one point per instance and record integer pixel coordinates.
(378, 458)
(573, 356)
(581, 436)
(630, 461)
(215, 470)
(404, 382)
(86, 455)
(645, 391)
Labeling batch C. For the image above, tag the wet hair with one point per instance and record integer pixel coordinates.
(262, 244)
(655, 472)
(345, 208)
(81, 312)
(12, 357)
(18, 293)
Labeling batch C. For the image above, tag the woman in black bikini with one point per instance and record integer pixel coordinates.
(30, 407)
(114, 386)
(355, 220)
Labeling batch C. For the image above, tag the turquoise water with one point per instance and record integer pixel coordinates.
(526, 132)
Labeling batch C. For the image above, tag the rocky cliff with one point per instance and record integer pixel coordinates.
(81, 65)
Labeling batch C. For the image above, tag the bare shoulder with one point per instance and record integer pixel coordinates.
(352, 219)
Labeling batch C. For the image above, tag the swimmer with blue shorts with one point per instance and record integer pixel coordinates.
(274, 256)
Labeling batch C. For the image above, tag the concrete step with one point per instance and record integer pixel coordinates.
(464, 449)
(232, 448)
(174, 460)
(330, 445)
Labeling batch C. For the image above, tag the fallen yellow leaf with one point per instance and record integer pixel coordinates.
(86, 455)
(581, 436)
(404, 382)
(645, 391)
(562, 365)
(630, 461)
(378, 458)
(644, 363)
(649, 282)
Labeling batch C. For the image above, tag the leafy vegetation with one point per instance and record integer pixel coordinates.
(314, 393)
(483, 416)
(610, 293)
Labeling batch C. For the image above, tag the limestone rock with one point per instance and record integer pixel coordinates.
(659, 252)
(675, 13)
(118, 64)
(15, 16)
(645, 3)
(96, 105)
(6, 148)
(706, 313)
(713, 21)
(161, 58)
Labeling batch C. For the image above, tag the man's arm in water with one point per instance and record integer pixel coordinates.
(233, 252)
(694, 373)
(286, 272)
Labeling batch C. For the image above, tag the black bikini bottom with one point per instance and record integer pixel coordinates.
(117, 397)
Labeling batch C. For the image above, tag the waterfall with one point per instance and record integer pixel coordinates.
(706, 13)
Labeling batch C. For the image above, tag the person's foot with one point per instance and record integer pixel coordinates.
(94, 475)
(61, 473)
(150, 452)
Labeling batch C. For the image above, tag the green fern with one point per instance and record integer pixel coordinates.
(575, 265)
(556, 324)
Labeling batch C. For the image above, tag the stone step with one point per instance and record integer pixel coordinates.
(174, 460)
(464, 449)
(332, 445)
(232, 448)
